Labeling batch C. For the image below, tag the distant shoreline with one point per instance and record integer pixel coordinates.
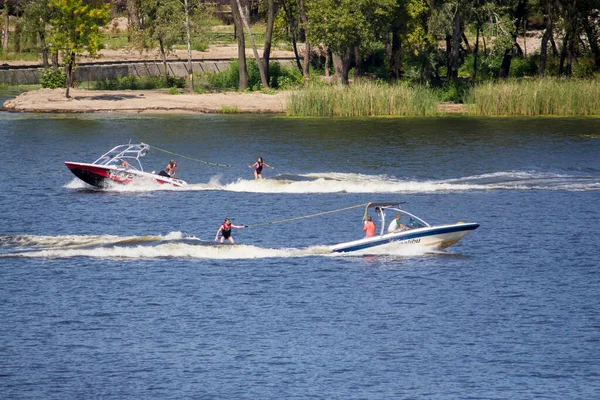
(145, 101)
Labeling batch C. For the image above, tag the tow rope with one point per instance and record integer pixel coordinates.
(305, 216)
(189, 158)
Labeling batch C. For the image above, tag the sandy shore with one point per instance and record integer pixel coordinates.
(144, 101)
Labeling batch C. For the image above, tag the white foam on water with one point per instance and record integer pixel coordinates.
(77, 183)
(336, 182)
(171, 245)
(85, 241)
(176, 250)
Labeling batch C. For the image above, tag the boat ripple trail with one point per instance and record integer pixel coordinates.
(336, 182)
(173, 245)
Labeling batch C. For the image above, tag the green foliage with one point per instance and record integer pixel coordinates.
(281, 77)
(76, 26)
(455, 91)
(173, 90)
(362, 99)
(545, 96)
(584, 68)
(134, 83)
(343, 24)
(53, 79)
(521, 67)
(229, 110)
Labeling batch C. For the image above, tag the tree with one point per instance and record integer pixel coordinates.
(160, 22)
(517, 11)
(343, 25)
(36, 15)
(239, 32)
(75, 30)
(268, 36)
(261, 66)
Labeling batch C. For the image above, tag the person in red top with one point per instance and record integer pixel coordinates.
(225, 231)
(369, 227)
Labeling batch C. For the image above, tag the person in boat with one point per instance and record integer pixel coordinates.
(396, 225)
(169, 172)
(124, 164)
(258, 167)
(369, 227)
(225, 231)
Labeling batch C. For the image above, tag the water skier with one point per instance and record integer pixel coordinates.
(258, 167)
(225, 231)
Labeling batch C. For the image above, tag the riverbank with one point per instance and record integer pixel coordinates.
(145, 101)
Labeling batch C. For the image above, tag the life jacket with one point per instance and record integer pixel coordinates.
(226, 228)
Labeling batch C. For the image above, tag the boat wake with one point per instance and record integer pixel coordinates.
(172, 245)
(334, 182)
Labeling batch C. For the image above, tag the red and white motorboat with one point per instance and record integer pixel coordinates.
(121, 165)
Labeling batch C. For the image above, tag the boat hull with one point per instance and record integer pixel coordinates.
(105, 176)
(434, 237)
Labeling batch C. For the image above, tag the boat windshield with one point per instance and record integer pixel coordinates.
(127, 156)
(388, 211)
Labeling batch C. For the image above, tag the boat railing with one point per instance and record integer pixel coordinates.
(130, 153)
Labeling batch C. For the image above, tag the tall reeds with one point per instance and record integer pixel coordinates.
(362, 99)
(544, 96)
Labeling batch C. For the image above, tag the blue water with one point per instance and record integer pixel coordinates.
(120, 293)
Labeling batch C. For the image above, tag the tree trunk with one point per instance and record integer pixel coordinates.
(239, 29)
(306, 63)
(69, 73)
(261, 67)
(189, 48)
(563, 55)
(164, 60)
(341, 64)
(508, 53)
(292, 30)
(572, 26)
(395, 54)
(592, 36)
(327, 62)
(132, 15)
(466, 42)
(55, 59)
(546, 38)
(6, 23)
(456, 38)
(268, 37)
(358, 64)
(448, 54)
(476, 51)
(44, 46)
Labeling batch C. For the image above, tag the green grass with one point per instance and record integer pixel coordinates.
(229, 110)
(361, 100)
(544, 96)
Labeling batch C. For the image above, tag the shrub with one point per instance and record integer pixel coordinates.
(53, 79)
(134, 83)
(280, 77)
(455, 91)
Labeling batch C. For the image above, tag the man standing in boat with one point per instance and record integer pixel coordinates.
(369, 227)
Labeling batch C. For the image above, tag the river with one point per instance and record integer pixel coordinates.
(120, 293)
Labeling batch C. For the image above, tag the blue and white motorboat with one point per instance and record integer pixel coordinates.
(415, 231)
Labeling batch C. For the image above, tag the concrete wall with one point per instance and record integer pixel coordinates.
(92, 72)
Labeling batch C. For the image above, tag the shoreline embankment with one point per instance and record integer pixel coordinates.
(145, 101)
